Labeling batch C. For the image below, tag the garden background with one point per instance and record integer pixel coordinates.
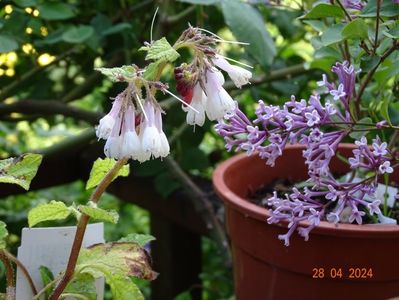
(51, 98)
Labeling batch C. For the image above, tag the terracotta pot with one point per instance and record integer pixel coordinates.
(338, 262)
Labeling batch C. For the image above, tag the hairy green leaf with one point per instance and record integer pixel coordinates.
(324, 10)
(116, 262)
(140, 239)
(20, 170)
(3, 234)
(123, 288)
(78, 34)
(99, 214)
(248, 26)
(55, 11)
(82, 284)
(100, 168)
(357, 29)
(160, 50)
(118, 74)
(55, 210)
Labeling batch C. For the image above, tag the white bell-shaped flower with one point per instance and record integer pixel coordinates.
(164, 148)
(199, 100)
(219, 102)
(104, 129)
(240, 76)
(108, 122)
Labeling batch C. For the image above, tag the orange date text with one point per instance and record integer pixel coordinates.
(342, 273)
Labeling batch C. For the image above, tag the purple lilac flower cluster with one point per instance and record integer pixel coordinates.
(300, 121)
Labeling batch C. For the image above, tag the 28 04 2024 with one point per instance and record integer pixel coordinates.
(342, 273)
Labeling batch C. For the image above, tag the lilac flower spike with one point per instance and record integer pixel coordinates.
(301, 121)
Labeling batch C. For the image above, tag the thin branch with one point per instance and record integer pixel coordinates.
(348, 16)
(7, 91)
(371, 73)
(81, 229)
(377, 26)
(49, 107)
(23, 269)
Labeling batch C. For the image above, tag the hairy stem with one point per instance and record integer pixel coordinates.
(23, 269)
(9, 276)
(81, 229)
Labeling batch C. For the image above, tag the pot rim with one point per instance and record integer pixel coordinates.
(249, 209)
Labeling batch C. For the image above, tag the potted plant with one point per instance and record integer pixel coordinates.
(339, 198)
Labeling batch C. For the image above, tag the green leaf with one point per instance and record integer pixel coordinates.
(116, 28)
(55, 210)
(82, 284)
(123, 288)
(362, 130)
(7, 43)
(357, 29)
(99, 214)
(26, 3)
(317, 25)
(140, 239)
(55, 11)
(20, 170)
(388, 9)
(248, 26)
(78, 34)
(384, 109)
(118, 74)
(160, 50)
(332, 35)
(116, 262)
(393, 33)
(100, 168)
(126, 259)
(3, 234)
(152, 69)
(201, 2)
(324, 10)
(47, 277)
(368, 63)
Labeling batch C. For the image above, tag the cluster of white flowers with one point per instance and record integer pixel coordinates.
(131, 134)
(210, 97)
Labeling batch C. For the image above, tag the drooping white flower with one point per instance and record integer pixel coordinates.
(219, 102)
(104, 129)
(113, 145)
(164, 149)
(131, 145)
(198, 102)
(107, 123)
(240, 76)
